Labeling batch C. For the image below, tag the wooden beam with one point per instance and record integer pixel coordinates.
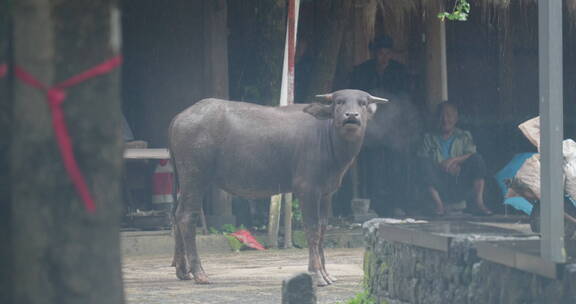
(436, 64)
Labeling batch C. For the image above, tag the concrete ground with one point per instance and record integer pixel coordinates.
(251, 277)
(248, 277)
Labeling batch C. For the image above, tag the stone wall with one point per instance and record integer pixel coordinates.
(420, 275)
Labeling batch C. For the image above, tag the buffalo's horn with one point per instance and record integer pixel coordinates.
(324, 98)
(378, 99)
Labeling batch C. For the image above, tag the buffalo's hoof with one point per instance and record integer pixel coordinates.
(182, 274)
(320, 280)
(201, 278)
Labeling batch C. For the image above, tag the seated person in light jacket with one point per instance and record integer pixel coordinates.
(450, 165)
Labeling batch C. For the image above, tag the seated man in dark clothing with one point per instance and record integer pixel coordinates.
(381, 72)
(450, 165)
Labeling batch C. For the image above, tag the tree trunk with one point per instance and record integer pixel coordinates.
(257, 36)
(6, 257)
(331, 23)
(62, 253)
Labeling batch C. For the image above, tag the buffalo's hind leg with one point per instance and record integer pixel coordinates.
(187, 217)
(179, 260)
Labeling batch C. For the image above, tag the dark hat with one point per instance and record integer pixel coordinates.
(381, 42)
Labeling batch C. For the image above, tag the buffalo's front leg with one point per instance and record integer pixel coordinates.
(324, 208)
(310, 214)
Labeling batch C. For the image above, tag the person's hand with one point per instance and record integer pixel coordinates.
(454, 169)
(451, 165)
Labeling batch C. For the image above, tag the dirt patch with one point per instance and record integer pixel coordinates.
(248, 277)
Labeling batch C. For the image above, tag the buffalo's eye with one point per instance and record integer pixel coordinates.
(363, 103)
(340, 101)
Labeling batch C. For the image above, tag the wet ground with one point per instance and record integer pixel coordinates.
(248, 277)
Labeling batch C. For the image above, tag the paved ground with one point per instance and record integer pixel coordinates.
(248, 277)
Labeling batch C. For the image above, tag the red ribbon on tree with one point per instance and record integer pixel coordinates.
(55, 96)
(3, 70)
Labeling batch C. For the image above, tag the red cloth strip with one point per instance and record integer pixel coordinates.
(3, 70)
(55, 96)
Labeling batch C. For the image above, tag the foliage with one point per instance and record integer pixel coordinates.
(459, 12)
(361, 298)
(296, 213)
(234, 243)
(299, 239)
(226, 230)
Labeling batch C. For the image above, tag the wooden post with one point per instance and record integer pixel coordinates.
(287, 220)
(216, 48)
(436, 69)
(552, 130)
(274, 220)
(62, 253)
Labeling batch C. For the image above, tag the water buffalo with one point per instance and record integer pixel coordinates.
(257, 151)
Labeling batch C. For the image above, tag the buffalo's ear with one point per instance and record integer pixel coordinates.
(319, 111)
(372, 108)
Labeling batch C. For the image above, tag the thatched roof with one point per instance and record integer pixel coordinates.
(403, 7)
(508, 17)
(570, 4)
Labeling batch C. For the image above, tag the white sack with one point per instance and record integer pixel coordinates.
(569, 151)
(531, 129)
(529, 174)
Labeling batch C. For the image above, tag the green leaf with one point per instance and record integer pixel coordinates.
(459, 12)
(235, 244)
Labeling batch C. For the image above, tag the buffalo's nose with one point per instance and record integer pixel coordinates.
(351, 114)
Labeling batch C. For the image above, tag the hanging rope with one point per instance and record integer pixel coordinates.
(55, 96)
